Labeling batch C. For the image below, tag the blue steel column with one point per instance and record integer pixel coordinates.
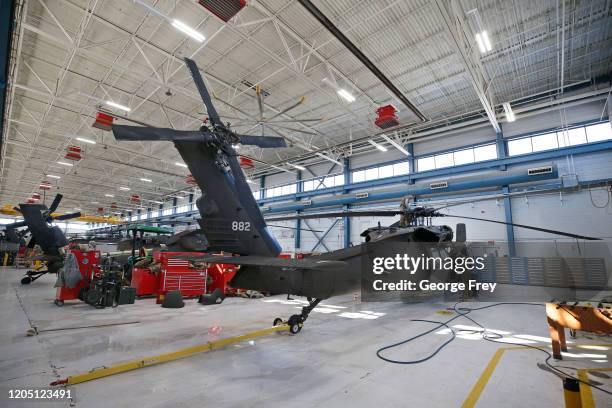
(411, 162)
(298, 223)
(262, 187)
(191, 202)
(174, 202)
(502, 153)
(347, 220)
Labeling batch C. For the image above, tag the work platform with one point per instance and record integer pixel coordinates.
(331, 362)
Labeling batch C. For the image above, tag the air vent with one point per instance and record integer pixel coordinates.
(224, 9)
(306, 202)
(362, 195)
(539, 170)
(438, 185)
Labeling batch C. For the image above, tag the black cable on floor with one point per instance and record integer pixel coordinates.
(486, 335)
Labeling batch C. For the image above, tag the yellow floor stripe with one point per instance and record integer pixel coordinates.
(586, 394)
(480, 385)
(162, 358)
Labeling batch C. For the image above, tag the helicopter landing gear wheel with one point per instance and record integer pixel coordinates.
(277, 322)
(26, 280)
(296, 322)
(58, 303)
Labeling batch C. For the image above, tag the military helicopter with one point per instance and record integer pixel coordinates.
(38, 218)
(231, 220)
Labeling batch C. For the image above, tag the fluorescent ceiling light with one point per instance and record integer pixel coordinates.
(236, 146)
(250, 181)
(378, 146)
(118, 106)
(108, 195)
(180, 164)
(124, 188)
(297, 166)
(82, 139)
(328, 158)
(508, 110)
(396, 145)
(77, 209)
(53, 176)
(346, 95)
(65, 164)
(179, 25)
(146, 179)
(157, 202)
(484, 44)
(94, 202)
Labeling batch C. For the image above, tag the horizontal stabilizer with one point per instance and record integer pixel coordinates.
(133, 133)
(263, 141)
(67, 216)
(308, 263)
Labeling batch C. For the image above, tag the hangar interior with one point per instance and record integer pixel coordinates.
(498, 110)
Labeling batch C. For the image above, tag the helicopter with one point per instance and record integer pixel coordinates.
(38, 218)
(231, 220)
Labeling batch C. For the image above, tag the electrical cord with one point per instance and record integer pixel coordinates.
(486, 335)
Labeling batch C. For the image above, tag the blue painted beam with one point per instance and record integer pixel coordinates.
(322, 237)
(390, 195)
(509, 228)
(347, 220)
(455, 170)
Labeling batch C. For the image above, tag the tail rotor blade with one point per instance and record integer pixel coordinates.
(134, 133)
(199, 81)
(262, 141)
(562, 233)
(69, 216)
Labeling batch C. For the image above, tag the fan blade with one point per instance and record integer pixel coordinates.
(566, 234)
(55, 203)
(382, 213)
(67, 216)
(262, 141)
(133, 133)
(199, 81)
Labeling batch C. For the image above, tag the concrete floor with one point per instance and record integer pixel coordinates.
(331, 363)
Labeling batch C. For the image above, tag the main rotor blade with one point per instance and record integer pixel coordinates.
(293, 228)
(55, 203)
(16, 225)
(562, 233)
(134, 133)
(262, 141)
(67, 216)
(382, 213)
(287, 109)
(199, 81)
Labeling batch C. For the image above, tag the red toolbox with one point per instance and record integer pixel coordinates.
(145, 281)
(178, 274)
(88, 264)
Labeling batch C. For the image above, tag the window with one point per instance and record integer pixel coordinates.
(400, 168)
(563, 138)
(385, 171)
(444, 160)
(256, 194)
(519, 146)
(371, 174)
(339, 180)
(358, 176)
(544, 142)
(167, 211)
(465, 156)
(182, 209)
(309, 185)
(426, 163)
(599, 132)
(486, 152)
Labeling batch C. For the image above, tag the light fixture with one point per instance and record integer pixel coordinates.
(124, 188)
(235, 146)
(77, 209)
(82, 139)
(396, 145)
(157, 202)
(65, 164)
(250, 181)
(108, 195)
(179, 25)
(118, 106)
(346, 95)
(53, 176)
(146, 179)
(484, 44)
(378, 146)
(328, 158)
(508, 110)
(297, 166)
(94, 202)
(180, 164)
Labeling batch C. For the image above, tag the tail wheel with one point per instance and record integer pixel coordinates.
(277, 322)
(26, 280)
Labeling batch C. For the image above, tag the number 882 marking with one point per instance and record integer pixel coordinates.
(241, 226)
